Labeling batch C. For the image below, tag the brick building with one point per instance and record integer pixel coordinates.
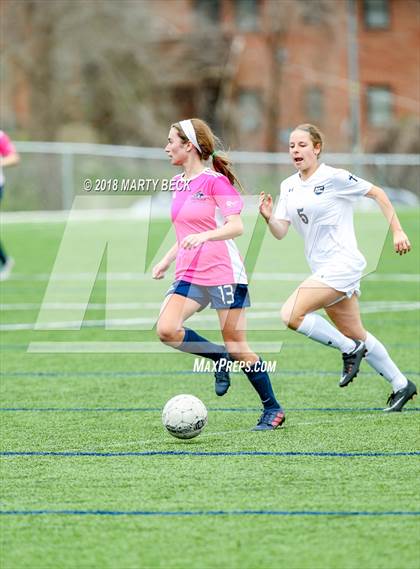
(252, 68)
(293, 61)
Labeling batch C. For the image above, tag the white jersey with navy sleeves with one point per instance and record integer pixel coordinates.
(320, 209)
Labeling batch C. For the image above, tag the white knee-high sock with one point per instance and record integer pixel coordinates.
(378, 358)
(319, 329)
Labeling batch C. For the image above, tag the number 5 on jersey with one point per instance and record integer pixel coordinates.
(302, 215)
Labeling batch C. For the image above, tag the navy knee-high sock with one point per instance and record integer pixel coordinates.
(3, 256)
(260, 381)
(195, 344)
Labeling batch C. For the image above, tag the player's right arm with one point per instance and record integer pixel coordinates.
(278, 227)
(160, 269)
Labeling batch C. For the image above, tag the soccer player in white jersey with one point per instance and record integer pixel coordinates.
(209, 270)
(317, 201)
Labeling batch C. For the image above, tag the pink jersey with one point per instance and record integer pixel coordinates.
(6, 148)
(201, 204)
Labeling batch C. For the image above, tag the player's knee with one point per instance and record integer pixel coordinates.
(232, 345)
(235, 346)
(287, 316)
(166, 332)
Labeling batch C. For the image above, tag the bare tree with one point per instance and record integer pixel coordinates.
(118, 66)
(401, 137)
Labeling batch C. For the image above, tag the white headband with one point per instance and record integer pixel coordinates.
(188, 127)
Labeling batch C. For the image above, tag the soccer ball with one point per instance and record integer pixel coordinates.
(184, 416)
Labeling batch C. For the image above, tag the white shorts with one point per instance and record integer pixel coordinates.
(348, 283)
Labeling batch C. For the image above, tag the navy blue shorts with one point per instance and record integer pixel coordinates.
(219, 297)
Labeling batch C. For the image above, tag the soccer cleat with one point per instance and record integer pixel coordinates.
(270, 420)
(222, 378)
(397, 400)
(351, 363)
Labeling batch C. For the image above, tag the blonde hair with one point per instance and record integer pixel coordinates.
(208, 142)
(315, 134)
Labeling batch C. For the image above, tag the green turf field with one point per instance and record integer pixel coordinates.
(90, 478)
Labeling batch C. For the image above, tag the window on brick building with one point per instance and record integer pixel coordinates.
(208, 11)
(250, 111)
(379, 105)
(246, 14)
(314, 103)
(376, 13)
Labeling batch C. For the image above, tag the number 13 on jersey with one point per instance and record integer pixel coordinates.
(226, 292)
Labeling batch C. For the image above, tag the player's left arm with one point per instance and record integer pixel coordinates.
(402, 244)
(231, 229)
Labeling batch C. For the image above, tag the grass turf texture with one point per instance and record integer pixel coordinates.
(110, 403)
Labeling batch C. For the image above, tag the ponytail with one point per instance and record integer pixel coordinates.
(222, 164)
(208, 142)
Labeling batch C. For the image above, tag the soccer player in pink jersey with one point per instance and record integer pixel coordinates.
(209, 270)
(8, 157)
(317, 201)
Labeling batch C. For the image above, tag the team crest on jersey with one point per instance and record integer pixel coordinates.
(199, 195)
(318, 190)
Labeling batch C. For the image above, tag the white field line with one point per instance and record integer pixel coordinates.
(274, 276)
(109, 347)
(136, 211)
(366, 308)
(121, 214)
(80, 306)
(132, 445)
(290, 424)
(390, 277)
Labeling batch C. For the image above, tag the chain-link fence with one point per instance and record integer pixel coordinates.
(50, 175)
